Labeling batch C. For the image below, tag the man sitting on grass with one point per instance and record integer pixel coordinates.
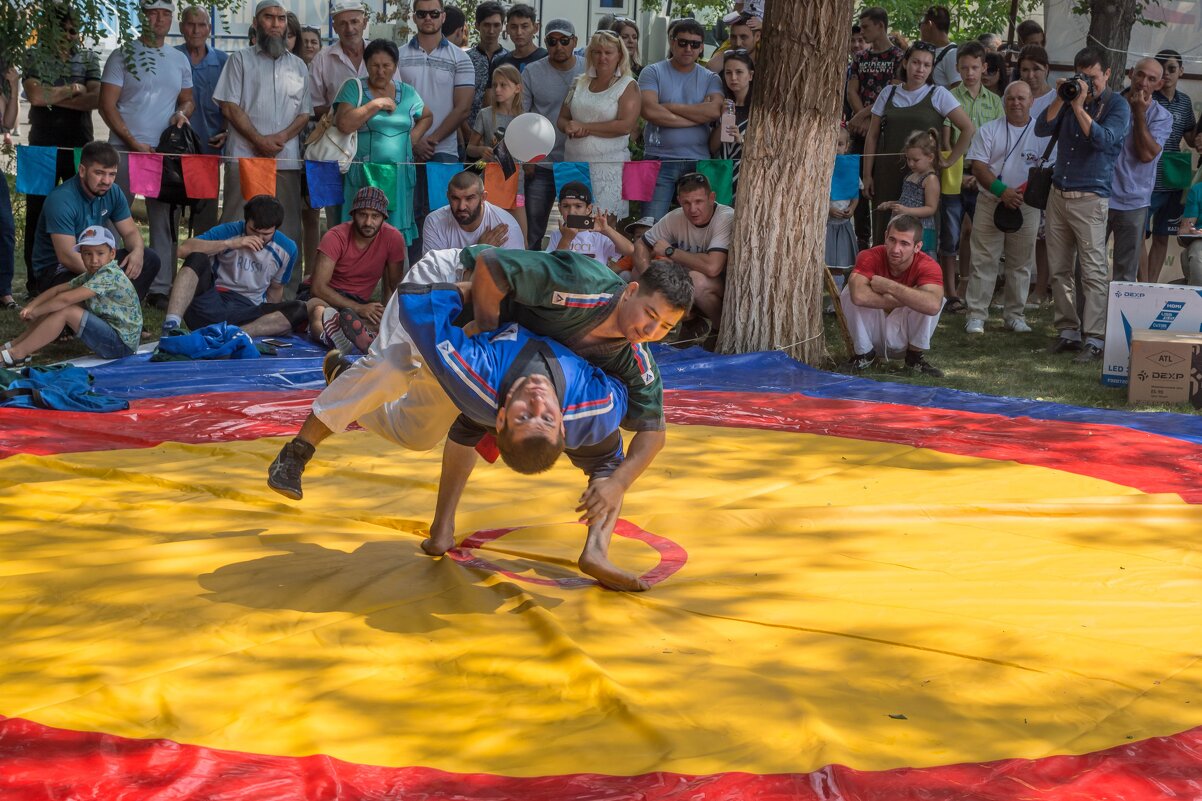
(893, 298)
(100, 306)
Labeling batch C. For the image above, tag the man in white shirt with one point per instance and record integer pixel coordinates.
(445, 80)
(601, 243)
(469, 219)
(697, 237)
(1001, 154)
(139, 105)
(264, 95)
(335, 65)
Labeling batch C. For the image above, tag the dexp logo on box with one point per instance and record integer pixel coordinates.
(1126, 293)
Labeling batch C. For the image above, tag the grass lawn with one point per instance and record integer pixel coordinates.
(1000, 362)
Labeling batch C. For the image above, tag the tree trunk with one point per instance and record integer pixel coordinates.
(1110, 24)
(774, 280)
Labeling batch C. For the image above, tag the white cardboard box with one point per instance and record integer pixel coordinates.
(1144, 307)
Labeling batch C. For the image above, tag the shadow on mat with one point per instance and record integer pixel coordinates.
(388, 584)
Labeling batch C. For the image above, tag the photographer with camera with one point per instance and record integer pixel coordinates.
(1091, 123)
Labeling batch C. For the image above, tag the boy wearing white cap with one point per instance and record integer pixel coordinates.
(100, 306)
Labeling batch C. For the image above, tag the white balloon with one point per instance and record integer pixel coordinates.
(529, 137)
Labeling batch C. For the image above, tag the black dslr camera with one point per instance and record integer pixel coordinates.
(1069, 90)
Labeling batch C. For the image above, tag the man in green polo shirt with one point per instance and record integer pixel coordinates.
(956, 209)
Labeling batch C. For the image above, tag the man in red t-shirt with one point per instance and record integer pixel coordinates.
(893, 298)
(352, 258)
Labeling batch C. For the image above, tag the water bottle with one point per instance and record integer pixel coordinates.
(729, 123)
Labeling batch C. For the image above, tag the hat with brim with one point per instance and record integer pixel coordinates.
(339, 6)
(576, 190)
(1007, 219)
(641, 222)
(95, 235)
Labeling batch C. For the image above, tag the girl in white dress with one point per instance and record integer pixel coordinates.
(598, 115)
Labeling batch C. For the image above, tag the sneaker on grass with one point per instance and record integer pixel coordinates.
(916, 360)
(1019, 326)
(975, 326)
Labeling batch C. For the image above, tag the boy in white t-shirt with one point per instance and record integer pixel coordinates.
(602, 243)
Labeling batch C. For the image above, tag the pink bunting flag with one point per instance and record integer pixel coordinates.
(145, 174)
(638, 180)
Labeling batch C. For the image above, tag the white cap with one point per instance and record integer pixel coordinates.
(95, 235)
(161, 5)
(338, 6)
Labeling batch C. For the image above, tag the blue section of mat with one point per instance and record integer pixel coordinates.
(299, 367)
(133, 377)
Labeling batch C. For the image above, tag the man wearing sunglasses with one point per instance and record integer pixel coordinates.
(445, 80)
(545, 84)
(680, 101)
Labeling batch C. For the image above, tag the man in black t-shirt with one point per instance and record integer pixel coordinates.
(63, 89)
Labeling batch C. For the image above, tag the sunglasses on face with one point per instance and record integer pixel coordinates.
(556, 41)
(433, 13)
(691, 44)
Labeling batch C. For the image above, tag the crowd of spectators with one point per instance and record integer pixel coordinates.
(1117, 175)
(270, 263)
(947, 133)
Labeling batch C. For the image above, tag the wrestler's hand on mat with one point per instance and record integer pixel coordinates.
(601, 501)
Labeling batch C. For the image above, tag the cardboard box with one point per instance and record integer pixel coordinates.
(1145, 307)
(1166, 367)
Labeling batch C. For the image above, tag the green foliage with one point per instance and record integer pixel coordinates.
(26, 23)
(969, 20)
(705, 11)
(1084, 8)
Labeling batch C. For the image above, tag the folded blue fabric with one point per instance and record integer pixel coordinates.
(216, 341)
(63, 387)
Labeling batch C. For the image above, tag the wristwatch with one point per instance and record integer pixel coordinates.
(669, 250)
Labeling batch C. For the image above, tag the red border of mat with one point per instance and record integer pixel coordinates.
(1148, 462)
(39, 762)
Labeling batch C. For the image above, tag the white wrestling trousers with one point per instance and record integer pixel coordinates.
(389, 391)
(888, 334)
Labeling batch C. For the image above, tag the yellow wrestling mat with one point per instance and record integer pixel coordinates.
(844, 602)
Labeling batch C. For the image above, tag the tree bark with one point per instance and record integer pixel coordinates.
(1110, 24)
(774, 278)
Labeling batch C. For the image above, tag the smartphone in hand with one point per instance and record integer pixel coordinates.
(581, 222)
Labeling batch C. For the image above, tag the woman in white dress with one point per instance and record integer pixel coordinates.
(598, 115)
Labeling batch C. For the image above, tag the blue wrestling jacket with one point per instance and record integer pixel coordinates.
(477, 372)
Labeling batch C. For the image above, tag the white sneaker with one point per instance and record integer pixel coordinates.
(1019, 326)
(975, 327)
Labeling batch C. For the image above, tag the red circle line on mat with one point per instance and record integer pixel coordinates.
(671, 556)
